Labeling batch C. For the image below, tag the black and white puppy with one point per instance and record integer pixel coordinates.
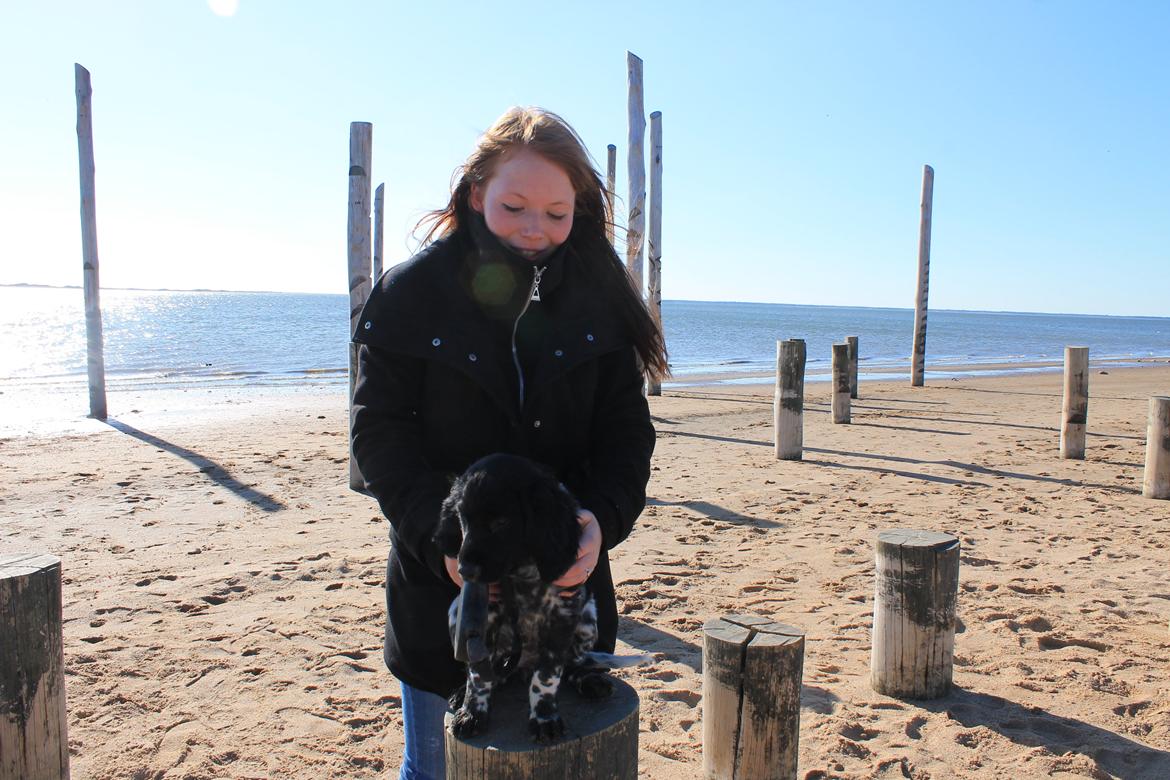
(509, 520)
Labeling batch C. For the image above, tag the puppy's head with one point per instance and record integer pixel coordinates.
(503, 511)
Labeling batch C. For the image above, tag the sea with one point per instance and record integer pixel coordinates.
(204, 339)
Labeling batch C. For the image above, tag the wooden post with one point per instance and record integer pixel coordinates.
(610, 185)
(1074, 411)
(752, 672)
(1156, 480)
(654, 278)
(916, 588)
(788, 402)
(379, 209)
(34, 740)
(852, 342)
(918, 367)
(361, 138)
(95, 361)
(841, 383)
(601, 739)
(636, 171)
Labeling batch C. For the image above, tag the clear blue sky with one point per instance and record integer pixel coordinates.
(795, 135)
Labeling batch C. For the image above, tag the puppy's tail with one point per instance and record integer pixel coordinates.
(611, 661)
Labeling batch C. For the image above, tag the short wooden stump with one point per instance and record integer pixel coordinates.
(915, 592)
(752, 670)
(601, 739)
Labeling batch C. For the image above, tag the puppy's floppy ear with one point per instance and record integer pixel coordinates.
(552, 532)
(449, 534)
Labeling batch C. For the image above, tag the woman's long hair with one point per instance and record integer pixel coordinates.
(546, 134)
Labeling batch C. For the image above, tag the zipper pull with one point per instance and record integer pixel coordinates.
(536, 284)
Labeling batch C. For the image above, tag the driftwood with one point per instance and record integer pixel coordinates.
(34, 743)
(918, 360)
(601, 739)
(916, 589)
(752, 671)
(788, 401)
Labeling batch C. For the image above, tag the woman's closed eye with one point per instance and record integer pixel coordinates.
(512, 209)
(556, 217)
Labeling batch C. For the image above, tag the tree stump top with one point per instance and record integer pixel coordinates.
(761, 630)
(906, 537)
(24, 564)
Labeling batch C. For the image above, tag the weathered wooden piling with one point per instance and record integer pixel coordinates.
(752, 670)
(841, 411)
(610, 184)
(916, 588)
(654, 277)
(852, 342)
(379, 209)
(788, 401)
(1074, 411)
(95, 362)
(918, 360)
(361, 137)
(601, 739)
(1156, 479)
(636, 171)
(34, 740)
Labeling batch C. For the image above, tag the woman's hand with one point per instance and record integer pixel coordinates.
(453, 572)
(588, 551)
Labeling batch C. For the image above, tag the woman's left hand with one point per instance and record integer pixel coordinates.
(588, 551)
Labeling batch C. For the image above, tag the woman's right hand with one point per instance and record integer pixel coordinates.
(453, 572)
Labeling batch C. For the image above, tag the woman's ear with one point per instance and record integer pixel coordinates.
(449, 534)
(475, 198)
(552, 530)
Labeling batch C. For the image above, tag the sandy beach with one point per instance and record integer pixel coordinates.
(223, 598)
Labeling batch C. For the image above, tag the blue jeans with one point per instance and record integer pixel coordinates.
(423, 757)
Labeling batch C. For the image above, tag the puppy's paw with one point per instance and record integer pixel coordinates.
(468, 722)
(545, 730)
(594, 685)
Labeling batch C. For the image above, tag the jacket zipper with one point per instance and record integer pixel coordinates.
(533, 294)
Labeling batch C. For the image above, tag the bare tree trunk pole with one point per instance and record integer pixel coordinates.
(1074, 413)
(636, 171)
(610, 185)
(361, 140)
(1156, 479)
(788, 403)
(34, 739)
(379, 209)
(918, 367)
(841, 383)
(94, 358)
(852, 342)
(654, 278)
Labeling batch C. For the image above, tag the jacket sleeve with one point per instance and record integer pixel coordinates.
(387, 445)
(622, 442)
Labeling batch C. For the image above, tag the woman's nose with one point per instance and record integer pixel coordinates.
(530, 226)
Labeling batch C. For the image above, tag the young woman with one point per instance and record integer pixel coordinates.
(515, 329)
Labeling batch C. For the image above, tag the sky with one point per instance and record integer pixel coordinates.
(794, 138)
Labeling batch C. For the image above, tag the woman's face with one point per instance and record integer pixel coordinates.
(527, 203)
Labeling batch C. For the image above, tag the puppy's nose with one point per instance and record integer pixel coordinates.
(470, 572)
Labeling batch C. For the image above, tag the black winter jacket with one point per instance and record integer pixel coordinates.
(455, 362)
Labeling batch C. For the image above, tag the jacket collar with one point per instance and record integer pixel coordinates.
(498, 279)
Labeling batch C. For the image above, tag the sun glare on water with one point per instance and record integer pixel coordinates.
(224, 7)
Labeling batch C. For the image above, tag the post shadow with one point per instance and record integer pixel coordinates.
(215, 472)
(716, 512)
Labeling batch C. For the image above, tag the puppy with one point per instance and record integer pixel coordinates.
(509, 520)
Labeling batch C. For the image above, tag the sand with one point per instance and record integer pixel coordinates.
(223, 588)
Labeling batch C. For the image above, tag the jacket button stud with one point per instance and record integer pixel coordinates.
(536, 423)
(559, 353)
(368, 325)
(472, 357)
(589, 337)
(436, 342)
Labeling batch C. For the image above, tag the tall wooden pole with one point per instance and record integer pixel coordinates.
(1074, 412)
(788, 401)
(918, 367)
(610, 185)
(654, 277)
(361, 139)
(636, 171)
(95, 360)
(841, 409)
(379, 208)
(1156, 478)
(852, 342)
(34, 739)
